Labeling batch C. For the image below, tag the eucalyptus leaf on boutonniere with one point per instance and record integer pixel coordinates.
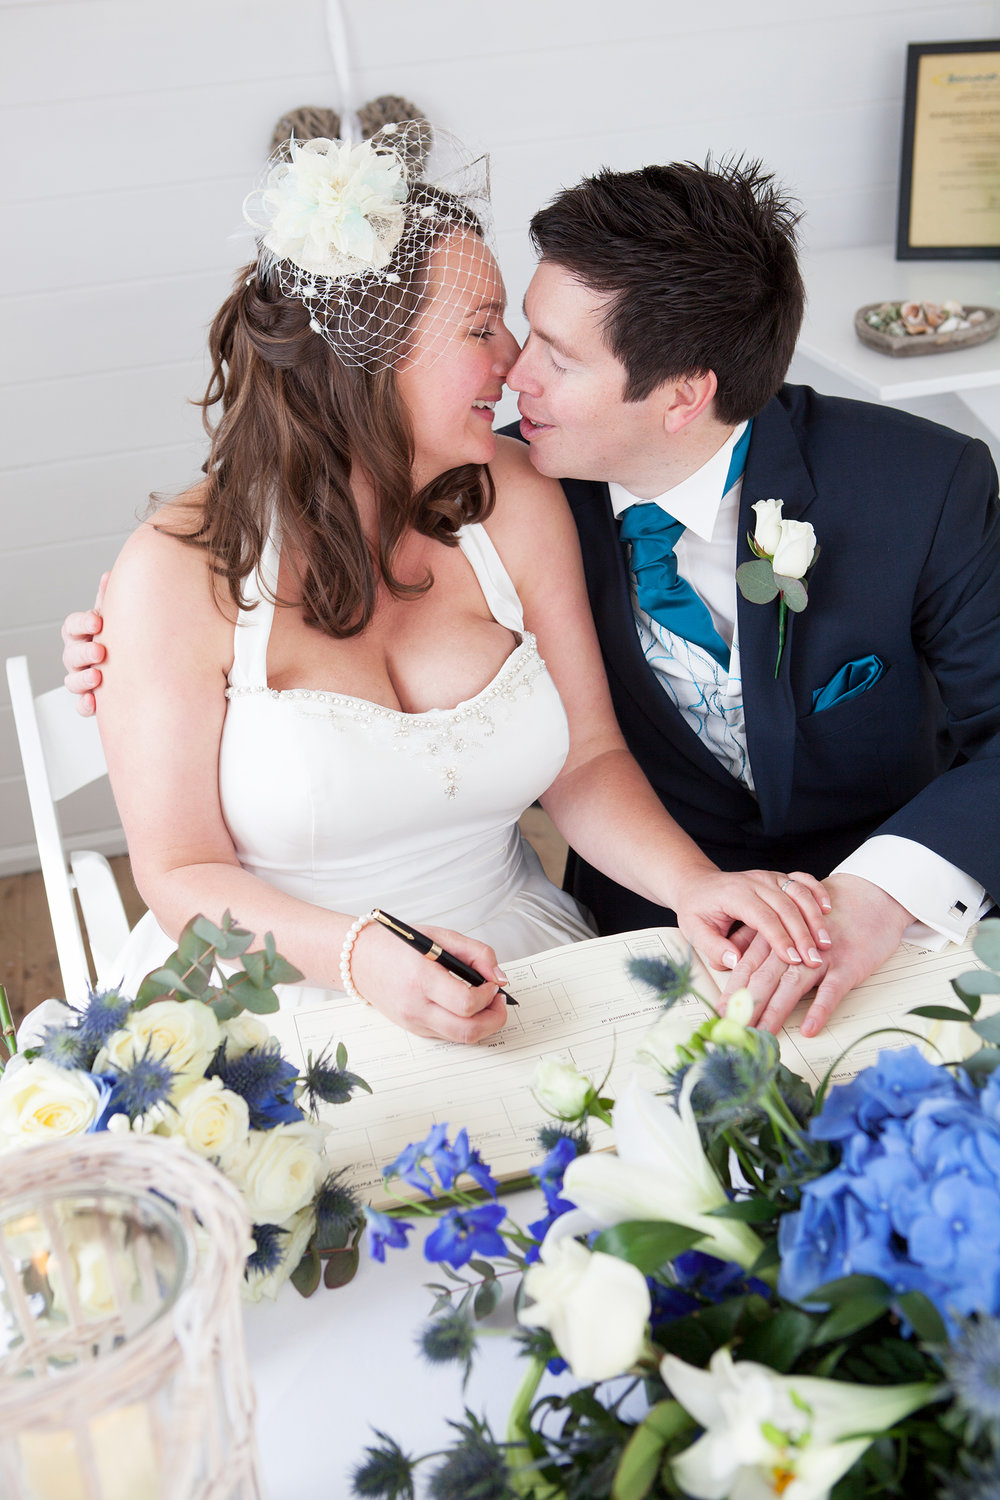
(784, 552)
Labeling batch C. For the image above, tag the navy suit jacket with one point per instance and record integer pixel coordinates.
(906, 517)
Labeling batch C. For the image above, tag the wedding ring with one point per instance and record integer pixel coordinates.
(786, 883)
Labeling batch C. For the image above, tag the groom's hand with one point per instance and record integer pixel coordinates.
(865, 924)
(82, 655)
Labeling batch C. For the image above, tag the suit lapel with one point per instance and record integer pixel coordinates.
(775, 469)
(610, 598)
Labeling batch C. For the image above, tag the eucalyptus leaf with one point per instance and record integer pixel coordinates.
(756, 581)
(483, 1268)
(305, 1277)
(224, 1007)
(793, 591)
(262, 1002)
(280, 971)
(988, 1029)
(341, 1056)
(985, 1061)
(342, 1267)
(646, 1244)
(640, 1461)
(986, 943)
(255, 965)
(486, 1299)
(980, 982)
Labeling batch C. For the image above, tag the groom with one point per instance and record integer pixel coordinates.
(865, 747)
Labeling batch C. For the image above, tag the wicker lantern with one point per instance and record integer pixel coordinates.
(123, 1372)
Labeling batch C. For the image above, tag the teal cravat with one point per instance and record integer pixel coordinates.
(666, 597)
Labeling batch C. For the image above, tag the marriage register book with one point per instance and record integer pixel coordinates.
(577, 1003)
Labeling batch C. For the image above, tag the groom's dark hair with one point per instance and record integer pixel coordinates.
(700, 269)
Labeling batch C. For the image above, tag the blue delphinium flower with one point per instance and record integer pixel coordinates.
(465, 1232)
(264, 1079)
(451, 1162)
(382, 1232)
(549, 1175)
(409, 1163)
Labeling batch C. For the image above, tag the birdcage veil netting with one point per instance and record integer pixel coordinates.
(349, 228)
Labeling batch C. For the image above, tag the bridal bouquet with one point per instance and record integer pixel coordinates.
(189, 1059)
(764, 1292)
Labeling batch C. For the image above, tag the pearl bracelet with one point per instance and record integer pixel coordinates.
(346, 981)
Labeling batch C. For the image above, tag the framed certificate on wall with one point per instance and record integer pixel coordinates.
(949, 181)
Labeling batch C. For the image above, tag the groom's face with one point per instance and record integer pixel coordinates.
(571, 389)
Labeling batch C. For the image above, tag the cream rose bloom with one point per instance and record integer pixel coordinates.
(212, 1120)
(279, 1170)
(242, 1033)
(560, 1088)
(293, 1247)
(767, 531)
(185, 1034)
(39, 1101)
(795, 549)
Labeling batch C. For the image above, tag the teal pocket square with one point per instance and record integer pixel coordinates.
(850, 682)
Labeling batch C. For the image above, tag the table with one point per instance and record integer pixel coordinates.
(838, 282)
(329, 1368)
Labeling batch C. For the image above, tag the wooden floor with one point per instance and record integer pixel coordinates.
(28, 968)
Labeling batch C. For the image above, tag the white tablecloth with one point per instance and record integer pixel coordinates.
(330, 1368)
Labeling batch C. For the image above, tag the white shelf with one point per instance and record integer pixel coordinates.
(838, 282)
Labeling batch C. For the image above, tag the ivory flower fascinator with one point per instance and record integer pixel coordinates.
(347, 228)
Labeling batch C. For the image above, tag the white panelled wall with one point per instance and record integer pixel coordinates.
(133, 129)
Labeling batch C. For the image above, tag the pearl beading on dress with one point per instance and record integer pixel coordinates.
(440, 732)
(346, 980)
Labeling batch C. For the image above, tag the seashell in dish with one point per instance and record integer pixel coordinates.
(906, 328)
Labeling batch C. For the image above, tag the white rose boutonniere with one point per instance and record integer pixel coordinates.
(784, 552)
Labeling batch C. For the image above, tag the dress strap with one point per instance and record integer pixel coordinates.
(253, 627)
(494, 580)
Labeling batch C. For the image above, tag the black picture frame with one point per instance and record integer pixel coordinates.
(915, 172)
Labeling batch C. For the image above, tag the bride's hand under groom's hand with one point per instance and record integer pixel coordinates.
(419, 995)
(788, 911)
(82, 655)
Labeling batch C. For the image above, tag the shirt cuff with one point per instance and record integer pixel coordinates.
(944, 901)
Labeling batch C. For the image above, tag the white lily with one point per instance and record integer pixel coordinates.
(658, 1172)
(767, 1434)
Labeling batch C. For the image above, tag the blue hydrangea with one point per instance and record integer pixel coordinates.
(915, 1197)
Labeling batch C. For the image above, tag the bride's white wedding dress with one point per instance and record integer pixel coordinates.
(349, 805)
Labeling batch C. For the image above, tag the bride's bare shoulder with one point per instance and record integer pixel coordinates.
(162, 566)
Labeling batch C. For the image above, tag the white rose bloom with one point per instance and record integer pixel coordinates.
(39, 1101)
(767, 531)
(560, 1088)
(293, 1247)
(595, 1306)
(659, 1045)
(242, 1033)
(213, 1120)
(795, 549)
(278, 1171)
(186, 1033)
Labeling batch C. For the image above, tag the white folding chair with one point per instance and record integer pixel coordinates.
(62, 752)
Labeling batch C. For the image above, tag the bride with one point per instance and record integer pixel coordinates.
(339, 668)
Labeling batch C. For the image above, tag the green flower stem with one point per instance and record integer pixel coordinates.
(782, 621)
(7, 1026)
(522, 1475)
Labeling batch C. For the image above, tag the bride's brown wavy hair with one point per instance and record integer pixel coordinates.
(294, 421)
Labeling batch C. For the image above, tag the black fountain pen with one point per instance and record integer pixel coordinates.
(434, 951)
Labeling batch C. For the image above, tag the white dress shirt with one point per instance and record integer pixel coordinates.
(944, 900)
